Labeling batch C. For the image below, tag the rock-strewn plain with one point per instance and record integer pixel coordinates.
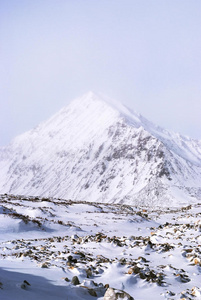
(58, 249)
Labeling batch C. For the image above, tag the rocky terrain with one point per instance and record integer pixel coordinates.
(59, 249)
(97, 150)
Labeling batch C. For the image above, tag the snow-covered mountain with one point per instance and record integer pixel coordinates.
(96, 149)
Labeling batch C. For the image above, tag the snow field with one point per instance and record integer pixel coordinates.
(135, 249)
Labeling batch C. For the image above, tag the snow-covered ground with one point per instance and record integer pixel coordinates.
(149, 254)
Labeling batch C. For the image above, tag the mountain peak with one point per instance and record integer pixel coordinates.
(96, 149)
(99, 101)
(91, 97)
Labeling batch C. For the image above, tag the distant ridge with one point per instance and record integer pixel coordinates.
(96, 149)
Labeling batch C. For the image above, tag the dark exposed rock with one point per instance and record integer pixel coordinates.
(25, 285)
(89, 272)
(92, 292)
(183, 278)
(26, 282)
(75, 280)
(142, 275)
(135, 270)
(66, 279)
(71, 259)
(122, 260)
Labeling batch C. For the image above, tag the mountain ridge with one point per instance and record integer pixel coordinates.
(96, 149)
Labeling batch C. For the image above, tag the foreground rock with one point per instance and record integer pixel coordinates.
(114, 294)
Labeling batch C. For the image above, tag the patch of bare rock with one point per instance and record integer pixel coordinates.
(114, 294)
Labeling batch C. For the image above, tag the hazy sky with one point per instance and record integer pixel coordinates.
(144, 53)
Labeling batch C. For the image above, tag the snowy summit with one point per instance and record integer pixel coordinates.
(98, 150)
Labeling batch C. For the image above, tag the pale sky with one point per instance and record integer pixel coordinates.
(144, 53)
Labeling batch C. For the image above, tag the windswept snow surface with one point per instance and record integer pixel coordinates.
(147, 253)
(96, 149)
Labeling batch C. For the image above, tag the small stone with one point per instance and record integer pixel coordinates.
(196, 261)
(75, 280)
(122, 261)
(44, 265)
(135, 270)
(169, 293)
(70, 258)
(151, 275)
(183, 278)
(24, 285)
(89, 272)
(195, 292)
(92, 292)
(26, 282)
(142, 275)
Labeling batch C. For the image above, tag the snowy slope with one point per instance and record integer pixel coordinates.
(141, 251)
(96, 149)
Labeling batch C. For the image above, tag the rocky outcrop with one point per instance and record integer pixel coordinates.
(114, 294)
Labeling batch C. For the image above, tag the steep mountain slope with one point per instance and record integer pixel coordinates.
(98, 150)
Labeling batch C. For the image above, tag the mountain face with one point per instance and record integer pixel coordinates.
(97, 150)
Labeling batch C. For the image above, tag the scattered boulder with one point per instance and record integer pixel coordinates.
(75, 280)
(66, 279)
(89, 272)
(44, 265)
(92, 292)
(25, 285)
(134, 270)
(71, 260)
(183, 278)
(114, 294)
